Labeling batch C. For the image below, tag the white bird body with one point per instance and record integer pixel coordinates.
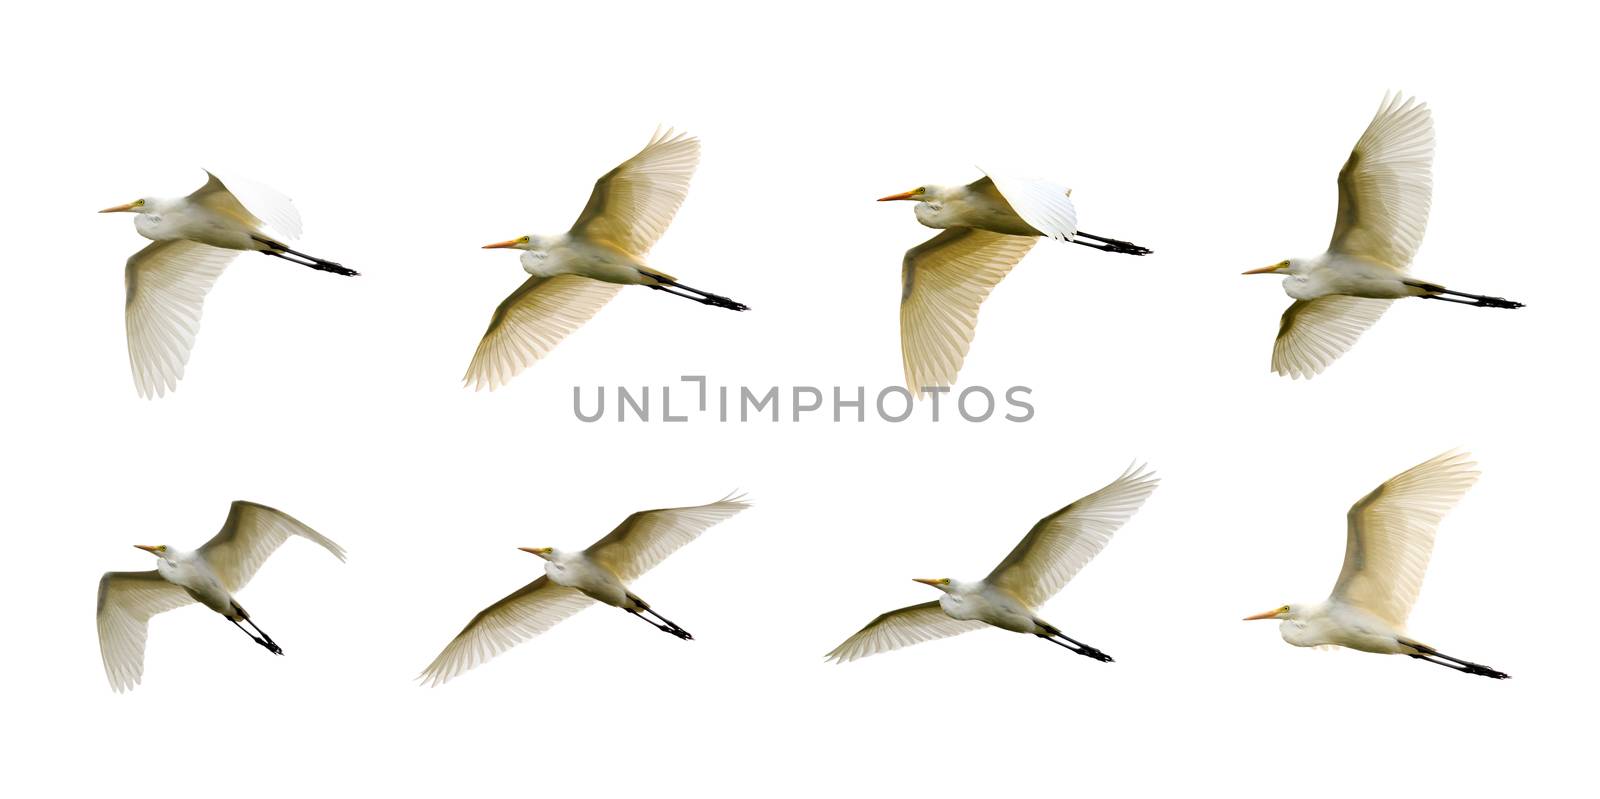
(177, 218)
(574, 274)
(1385, 193)
(1039, 566)
(572, 579)
(979, 205)
(1389, 540)
(210, 575)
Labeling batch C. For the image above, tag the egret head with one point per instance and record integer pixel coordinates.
(159, 550)
(139, 206)
(1286, 613)
(529, 243)
(1293, 266)
(944, 584)
(548, 553)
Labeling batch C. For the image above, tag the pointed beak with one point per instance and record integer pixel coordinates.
(1265, 270)
(116, 208)
(148, 548)
(501, 245)
(905, 195)
(927, 581)
(535, 550)
(1271, 614)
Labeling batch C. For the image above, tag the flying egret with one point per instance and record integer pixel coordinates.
(1385, 189)
(210, 575)
(1051, 553)
(577, 272)
(574, 579)
(1386, 553)
(988, 226)
(196, 237)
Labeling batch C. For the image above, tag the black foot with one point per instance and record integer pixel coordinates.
(1091, 652)
(1111, 245)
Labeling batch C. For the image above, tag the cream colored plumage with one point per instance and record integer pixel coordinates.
(1385, 192)
(1389, 539)
(574, 274)
(195, 238)
(988, 226)
(1057, 547)
(210, 575)
(573, 580)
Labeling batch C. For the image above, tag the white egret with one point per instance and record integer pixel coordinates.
(988, 226)
(210, 575)
(1051, 553)
(1389, 540)
(1385, 190)
(577, 272)
(573, 580)
(196, 237)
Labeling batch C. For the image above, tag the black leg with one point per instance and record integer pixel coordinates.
(1086, 651)
(1111, 245)
(676, 630)
(263, 640)
(1466, 666)
(280, 251)
(702, 297)
(1477, 300)
(662, 627)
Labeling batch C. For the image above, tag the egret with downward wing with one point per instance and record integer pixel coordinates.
(1051, 553)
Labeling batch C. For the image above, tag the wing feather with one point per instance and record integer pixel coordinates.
(167, 286)
(1046, 206)
(646, 538)
(251, 533)
(1391, 535)
(531, 322)
(250, 203)
(123, 609)
(1060, 544)
(899, 628)
(1386, 186)
(1314, 333)
(526, 612)
(632, 205)
(943, 282)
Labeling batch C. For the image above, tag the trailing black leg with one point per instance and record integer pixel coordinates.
(1429, 654)
(702, 297)
(1111, 245)
(1086, 651)
(262, 640)
(676, 630)
(662, 627)
(1477, 300)
(280, 251)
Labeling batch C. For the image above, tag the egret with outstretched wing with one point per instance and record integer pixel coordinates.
(1389, 541)
(573, 580)
(1385, 190)
(1051, 553)
(210, 575)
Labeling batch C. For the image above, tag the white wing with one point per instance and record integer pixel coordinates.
(251, 203)
(1391, 535)
(126, 602)
(250, 535)
(1061, 543)
(1314, 333)
(632, 205)
(943, 282)
(646, 538)
(898, 628)
(531, 610)
(1387, 185)
(531, 322)
(1044, 205)
(167, 286)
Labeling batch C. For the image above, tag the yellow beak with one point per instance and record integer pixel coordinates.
(1265, 270)
(905, 195)
(501, 245)
(1271, 614)
(535, 550)
(926, 581)
(150, 549)
(123, 207)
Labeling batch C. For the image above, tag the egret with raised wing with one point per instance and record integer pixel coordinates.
(1385, 190)
(1389, 540)
(574, 579)
(988, 226)
(210, 575)
(577, 272)
(1051, 553)
(196, 237)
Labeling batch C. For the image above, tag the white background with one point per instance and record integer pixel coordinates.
(409, 137)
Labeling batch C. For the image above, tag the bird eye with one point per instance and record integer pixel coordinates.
(523, 240)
